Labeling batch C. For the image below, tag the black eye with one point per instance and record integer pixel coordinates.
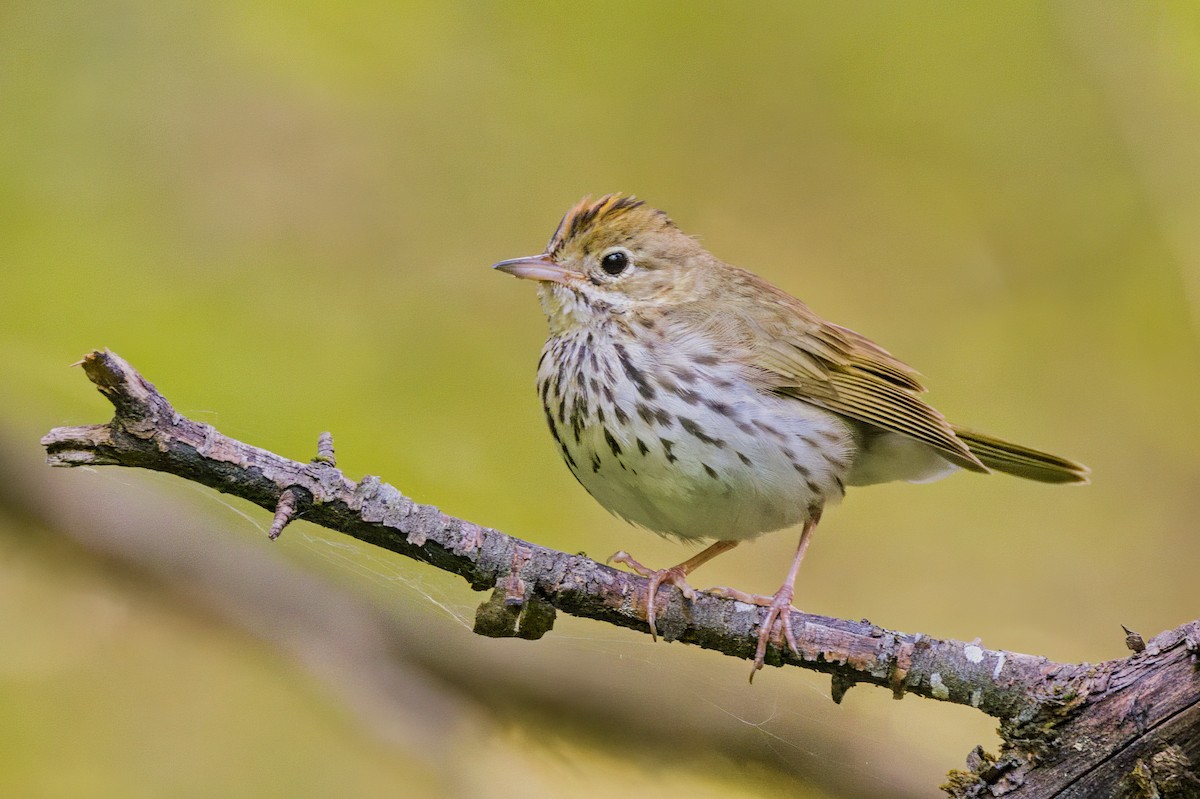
(614, 263)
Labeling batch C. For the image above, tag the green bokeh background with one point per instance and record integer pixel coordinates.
(283, 215)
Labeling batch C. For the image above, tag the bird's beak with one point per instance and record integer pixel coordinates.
(535, 267)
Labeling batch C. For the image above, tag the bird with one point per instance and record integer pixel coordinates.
(696, 400)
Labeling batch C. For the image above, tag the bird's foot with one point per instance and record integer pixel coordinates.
(676, 576)
(779, 612)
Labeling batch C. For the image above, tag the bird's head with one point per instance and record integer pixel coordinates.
(611, 257)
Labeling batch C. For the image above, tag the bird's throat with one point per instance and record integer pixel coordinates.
(567, 310)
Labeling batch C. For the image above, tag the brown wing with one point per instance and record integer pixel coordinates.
(805, 357)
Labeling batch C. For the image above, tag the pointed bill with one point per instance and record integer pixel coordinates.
(535, 267)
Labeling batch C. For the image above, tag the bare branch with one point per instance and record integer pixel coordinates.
(1042, 703)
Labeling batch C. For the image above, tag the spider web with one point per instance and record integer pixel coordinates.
(803, 734)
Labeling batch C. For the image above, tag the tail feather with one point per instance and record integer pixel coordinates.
(1022, 461)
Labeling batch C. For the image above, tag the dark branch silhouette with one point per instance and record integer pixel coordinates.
(1128, 727)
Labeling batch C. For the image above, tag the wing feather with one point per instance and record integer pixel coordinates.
(805, 357)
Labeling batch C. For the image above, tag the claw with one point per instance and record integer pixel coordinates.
(674, 576)
(779, 611)
(624, 558)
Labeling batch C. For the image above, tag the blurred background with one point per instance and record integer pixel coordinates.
(283, 214)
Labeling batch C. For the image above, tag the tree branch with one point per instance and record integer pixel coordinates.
(1129, 712)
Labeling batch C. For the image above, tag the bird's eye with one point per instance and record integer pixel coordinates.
(615, 262)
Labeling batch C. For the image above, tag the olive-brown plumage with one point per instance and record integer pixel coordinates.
(695, 399)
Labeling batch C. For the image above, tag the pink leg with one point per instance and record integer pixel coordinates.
(676, 575)
(779, 607)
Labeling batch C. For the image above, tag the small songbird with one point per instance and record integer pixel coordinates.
(695, 399)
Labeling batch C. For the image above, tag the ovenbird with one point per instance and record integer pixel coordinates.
(695, 399)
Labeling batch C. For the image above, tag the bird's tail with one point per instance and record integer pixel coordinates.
(1022, 461)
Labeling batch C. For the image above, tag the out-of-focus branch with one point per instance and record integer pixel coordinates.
(1043, 705)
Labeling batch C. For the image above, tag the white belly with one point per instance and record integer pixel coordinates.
(885, 456)
(687, 448)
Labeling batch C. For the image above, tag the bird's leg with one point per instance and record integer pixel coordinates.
(779, 607)
(675, 575)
